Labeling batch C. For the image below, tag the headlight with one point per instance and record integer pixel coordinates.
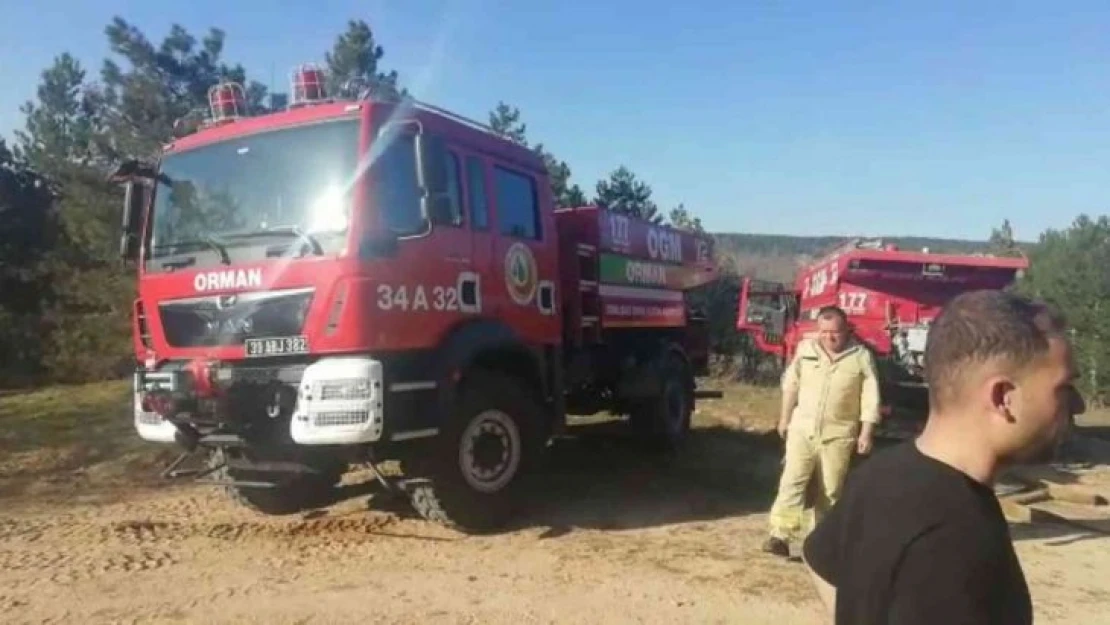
(344, 389)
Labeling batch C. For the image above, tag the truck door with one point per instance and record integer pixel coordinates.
(524, 258)
(419, 289)
(442, 261)
(453, 240)
(765, 310)
(452, 237)
(476, 175)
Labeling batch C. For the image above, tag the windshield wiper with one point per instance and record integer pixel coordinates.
(205, 241)
(293, 231)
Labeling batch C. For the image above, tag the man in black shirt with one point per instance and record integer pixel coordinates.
(918, 536)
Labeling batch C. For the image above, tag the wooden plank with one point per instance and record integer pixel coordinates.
(1075, 493)
(1028, 497)
(1060, 484)
(1092, 518)
(1016, 507)
(1015, 512)
(1038, 473)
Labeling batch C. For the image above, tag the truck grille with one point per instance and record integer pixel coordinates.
(230, 319)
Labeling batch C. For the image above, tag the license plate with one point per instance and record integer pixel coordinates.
(277, 346)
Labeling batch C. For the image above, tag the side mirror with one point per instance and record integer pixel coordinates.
(134, 198)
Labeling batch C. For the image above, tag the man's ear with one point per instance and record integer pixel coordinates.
(1002, 396)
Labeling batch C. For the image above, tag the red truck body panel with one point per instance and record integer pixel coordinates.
(879, 290)
(624, 272)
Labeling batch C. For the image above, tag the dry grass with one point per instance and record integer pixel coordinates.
(63, 415)
(64, 430)
(52, 434)
(744, 407)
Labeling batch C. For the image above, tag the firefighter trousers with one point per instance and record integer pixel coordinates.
(809, 459)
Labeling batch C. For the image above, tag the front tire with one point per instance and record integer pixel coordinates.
(469, 478)
(293, 493)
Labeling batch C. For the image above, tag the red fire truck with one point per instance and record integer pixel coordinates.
(354, 279)
(890, 296)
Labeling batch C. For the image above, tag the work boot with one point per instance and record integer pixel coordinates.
(776, 547)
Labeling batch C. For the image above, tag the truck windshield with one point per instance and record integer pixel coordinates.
(295, 179)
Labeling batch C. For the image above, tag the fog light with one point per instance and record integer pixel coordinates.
(159, 403)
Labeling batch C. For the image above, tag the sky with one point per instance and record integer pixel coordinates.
(806, 118)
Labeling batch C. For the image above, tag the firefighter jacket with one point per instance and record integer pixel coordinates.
(835, 393)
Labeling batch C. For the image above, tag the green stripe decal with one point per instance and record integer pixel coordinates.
(616, 269)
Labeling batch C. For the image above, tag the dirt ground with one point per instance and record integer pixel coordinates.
(607, 535)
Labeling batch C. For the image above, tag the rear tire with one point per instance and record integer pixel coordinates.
(663, 422)
(469, 477)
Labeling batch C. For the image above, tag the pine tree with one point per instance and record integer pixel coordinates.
(28, 231)
(159, 85)
(505, 121)
(623, 193)
(1002, 240)
(74, 133)
(1071, 269)
(354, 64)
(681, 218)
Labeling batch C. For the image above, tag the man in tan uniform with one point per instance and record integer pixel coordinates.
(830, 407)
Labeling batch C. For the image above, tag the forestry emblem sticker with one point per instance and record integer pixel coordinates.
(521, 274)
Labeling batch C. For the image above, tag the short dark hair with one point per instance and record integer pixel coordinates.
(980, 326)
(833, 312)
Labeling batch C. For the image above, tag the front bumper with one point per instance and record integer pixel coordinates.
(149, 424)
(332, 401)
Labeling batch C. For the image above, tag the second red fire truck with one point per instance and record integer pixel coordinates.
(890, 296)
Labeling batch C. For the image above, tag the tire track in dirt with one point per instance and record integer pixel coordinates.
(143, 532)
(44, 552)
(32, 568)
(146, 532)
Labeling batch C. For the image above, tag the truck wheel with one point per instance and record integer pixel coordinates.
(293, 494)
(469, 477)
(664, 421)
